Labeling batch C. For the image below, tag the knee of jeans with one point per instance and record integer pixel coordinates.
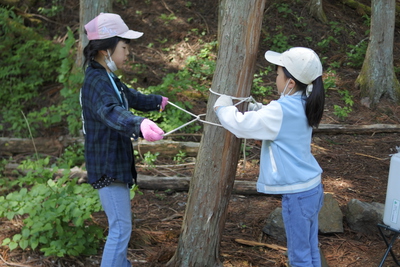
(126, 227)
(121, 228)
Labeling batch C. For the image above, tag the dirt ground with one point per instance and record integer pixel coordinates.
(355, 165)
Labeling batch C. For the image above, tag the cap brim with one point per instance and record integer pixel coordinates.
(274, 57)
(131, 34)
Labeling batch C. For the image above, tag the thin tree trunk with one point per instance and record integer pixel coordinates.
(214, 175)
(377, 77)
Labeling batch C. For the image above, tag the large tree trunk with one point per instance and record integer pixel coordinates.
(377, 77)
(89, 10)
(214, 175)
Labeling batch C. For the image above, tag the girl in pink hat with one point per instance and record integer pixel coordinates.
(109, 125)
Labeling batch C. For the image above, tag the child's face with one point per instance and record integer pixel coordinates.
(281, 79)
(284, 84)
(120, 54)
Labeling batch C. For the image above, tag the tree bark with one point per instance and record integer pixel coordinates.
(214, 175)
(377, 77)
(317, 11)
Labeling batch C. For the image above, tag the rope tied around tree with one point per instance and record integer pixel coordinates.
(198, 117)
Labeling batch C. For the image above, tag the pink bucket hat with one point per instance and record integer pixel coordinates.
(107, 25)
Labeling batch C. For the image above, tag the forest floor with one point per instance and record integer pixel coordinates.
(355, 166)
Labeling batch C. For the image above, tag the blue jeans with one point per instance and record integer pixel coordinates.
(115, 200)
(300, 216)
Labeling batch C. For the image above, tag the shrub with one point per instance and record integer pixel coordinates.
(57, 213)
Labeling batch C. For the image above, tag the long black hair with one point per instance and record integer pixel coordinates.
(314, 102)
(94, 46)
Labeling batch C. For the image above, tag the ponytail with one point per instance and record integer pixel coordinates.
(315, 103)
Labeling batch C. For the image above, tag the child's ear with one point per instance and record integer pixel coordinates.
(292, 84)
(103, 52)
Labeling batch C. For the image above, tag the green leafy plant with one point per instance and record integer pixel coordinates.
(55, 8)
(284, 9)
(193, 80)
(343, 112)
(167, 18)
(326, 43)
(279, 41)
(330, 80)
(149, 159)
(180, 157)
(56, 213)
(357, 52)
(72, 79)
(28, 62)
(259, 88)
(73, 156)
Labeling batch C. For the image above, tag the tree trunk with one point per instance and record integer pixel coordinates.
(377, 77)
(88, 11)
(317, 11)
(214, 175)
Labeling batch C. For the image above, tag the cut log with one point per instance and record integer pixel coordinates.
(356, 129)
(16, 146)
(54, 147)
(166, 148)
(146, 182)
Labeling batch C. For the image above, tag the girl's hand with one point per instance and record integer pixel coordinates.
(164, 102)
(150, 131)
(223, 101)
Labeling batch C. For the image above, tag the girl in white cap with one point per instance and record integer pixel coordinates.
(109, 125)
(287, 166)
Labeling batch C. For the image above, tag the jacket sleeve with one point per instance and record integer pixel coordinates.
(142, 102)
(106, 105)
(263, 124)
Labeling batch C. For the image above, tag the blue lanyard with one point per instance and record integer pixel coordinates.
(117, 91)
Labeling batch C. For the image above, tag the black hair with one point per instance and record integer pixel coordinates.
(314, 102)
(94, 46)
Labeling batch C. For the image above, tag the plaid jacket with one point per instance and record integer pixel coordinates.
(108, 126)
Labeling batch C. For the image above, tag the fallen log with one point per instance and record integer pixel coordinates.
(356, 129)
(166, 148)
(55, 147)
(17, 146)
(145, 182)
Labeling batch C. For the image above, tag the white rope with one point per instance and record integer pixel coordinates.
(198, 117)
(242, 99)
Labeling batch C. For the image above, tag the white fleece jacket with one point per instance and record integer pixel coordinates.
(286, 162)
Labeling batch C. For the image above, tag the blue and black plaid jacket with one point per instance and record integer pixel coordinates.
(108, 126)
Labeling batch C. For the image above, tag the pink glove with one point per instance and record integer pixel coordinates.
(164, 102)
(150, 131)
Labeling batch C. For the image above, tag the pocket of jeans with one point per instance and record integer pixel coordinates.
(310, 203)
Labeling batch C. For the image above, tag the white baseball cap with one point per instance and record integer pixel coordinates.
(107, 25)
(302, 63)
